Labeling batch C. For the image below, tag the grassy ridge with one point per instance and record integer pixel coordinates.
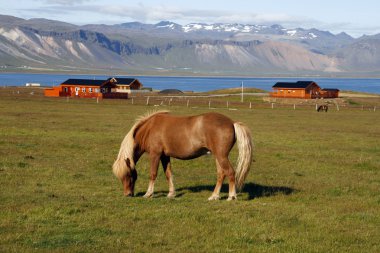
(313, 188)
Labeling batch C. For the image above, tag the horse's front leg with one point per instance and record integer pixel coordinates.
(165, 160)
(154, 161)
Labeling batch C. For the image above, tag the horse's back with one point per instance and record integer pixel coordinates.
(186, 137)
(220, 132)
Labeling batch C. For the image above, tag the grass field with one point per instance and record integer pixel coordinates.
(314, 185)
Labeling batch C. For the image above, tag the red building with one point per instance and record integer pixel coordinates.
(302, 89)
(87, 88)
(125, 84)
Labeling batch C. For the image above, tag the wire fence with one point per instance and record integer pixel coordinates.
(229, 101)
(212, 103)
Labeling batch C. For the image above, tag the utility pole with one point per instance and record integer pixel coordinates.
(242, 91)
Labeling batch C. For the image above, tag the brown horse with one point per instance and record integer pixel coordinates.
(163, 135)
(323, 108)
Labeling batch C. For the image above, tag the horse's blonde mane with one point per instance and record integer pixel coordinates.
(120, 168)
(142, 118)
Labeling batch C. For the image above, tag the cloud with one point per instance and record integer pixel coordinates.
(154, 13)
(157, 13)
(64, 2)
(355, 30)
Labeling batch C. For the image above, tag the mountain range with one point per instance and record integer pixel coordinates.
(194, 49)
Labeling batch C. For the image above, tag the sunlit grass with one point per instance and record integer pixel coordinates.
(314, 185)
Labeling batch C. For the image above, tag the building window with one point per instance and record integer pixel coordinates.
(96, 90)
(76, 89)
(84, 90)
(90, 90)
(65, 89)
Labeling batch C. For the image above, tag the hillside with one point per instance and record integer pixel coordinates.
(195, 49)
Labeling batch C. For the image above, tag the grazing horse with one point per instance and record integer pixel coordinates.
(323, 108)
(163, 136)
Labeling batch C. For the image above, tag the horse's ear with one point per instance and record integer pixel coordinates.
(128, 162)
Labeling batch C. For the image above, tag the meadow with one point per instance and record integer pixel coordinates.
(314, 185)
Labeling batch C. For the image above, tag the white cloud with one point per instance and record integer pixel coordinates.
(87, 11)
(157, 13)
(64, 2)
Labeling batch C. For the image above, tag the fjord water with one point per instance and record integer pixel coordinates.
(197, 84)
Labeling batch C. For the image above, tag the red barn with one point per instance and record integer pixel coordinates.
(125, 84)
(302, 89)
(87, 88)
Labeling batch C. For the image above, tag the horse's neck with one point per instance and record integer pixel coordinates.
(137, 154)
(141, 138)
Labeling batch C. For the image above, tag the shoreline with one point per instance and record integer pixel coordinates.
(209, 83)
(224, 92)
(176, 75)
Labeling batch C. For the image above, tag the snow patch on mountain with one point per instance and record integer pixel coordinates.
(313, 35)
(253, 29)
(291, 32)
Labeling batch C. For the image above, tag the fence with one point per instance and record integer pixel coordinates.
(212, 103)
(230, 102)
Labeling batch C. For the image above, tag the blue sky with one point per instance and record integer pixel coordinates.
(354, 17)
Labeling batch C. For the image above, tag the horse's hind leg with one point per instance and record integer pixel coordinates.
(154, 161)
(219, 182)
(165, 160)
(228, 171)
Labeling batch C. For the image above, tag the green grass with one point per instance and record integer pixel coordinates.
(313, 188)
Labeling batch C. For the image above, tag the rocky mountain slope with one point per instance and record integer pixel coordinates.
(231, 49)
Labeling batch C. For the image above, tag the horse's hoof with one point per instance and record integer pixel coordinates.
(147, 196)
(213, 198)
(230, 198)
(171, 196)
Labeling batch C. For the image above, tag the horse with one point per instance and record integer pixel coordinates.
(323, 108)
(163, 136)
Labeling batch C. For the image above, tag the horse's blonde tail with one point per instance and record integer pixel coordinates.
(245, 146)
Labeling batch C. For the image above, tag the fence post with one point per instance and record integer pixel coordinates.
(272, 105)
(97, 100)
(294, 106)
(188, 103)
(316, 107)
(147, 101)
(132, 101)
(374, 109)
(250, 105)
(337, 107)
(227, 105)
(209, 104)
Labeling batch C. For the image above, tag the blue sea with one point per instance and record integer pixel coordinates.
(196, 83)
